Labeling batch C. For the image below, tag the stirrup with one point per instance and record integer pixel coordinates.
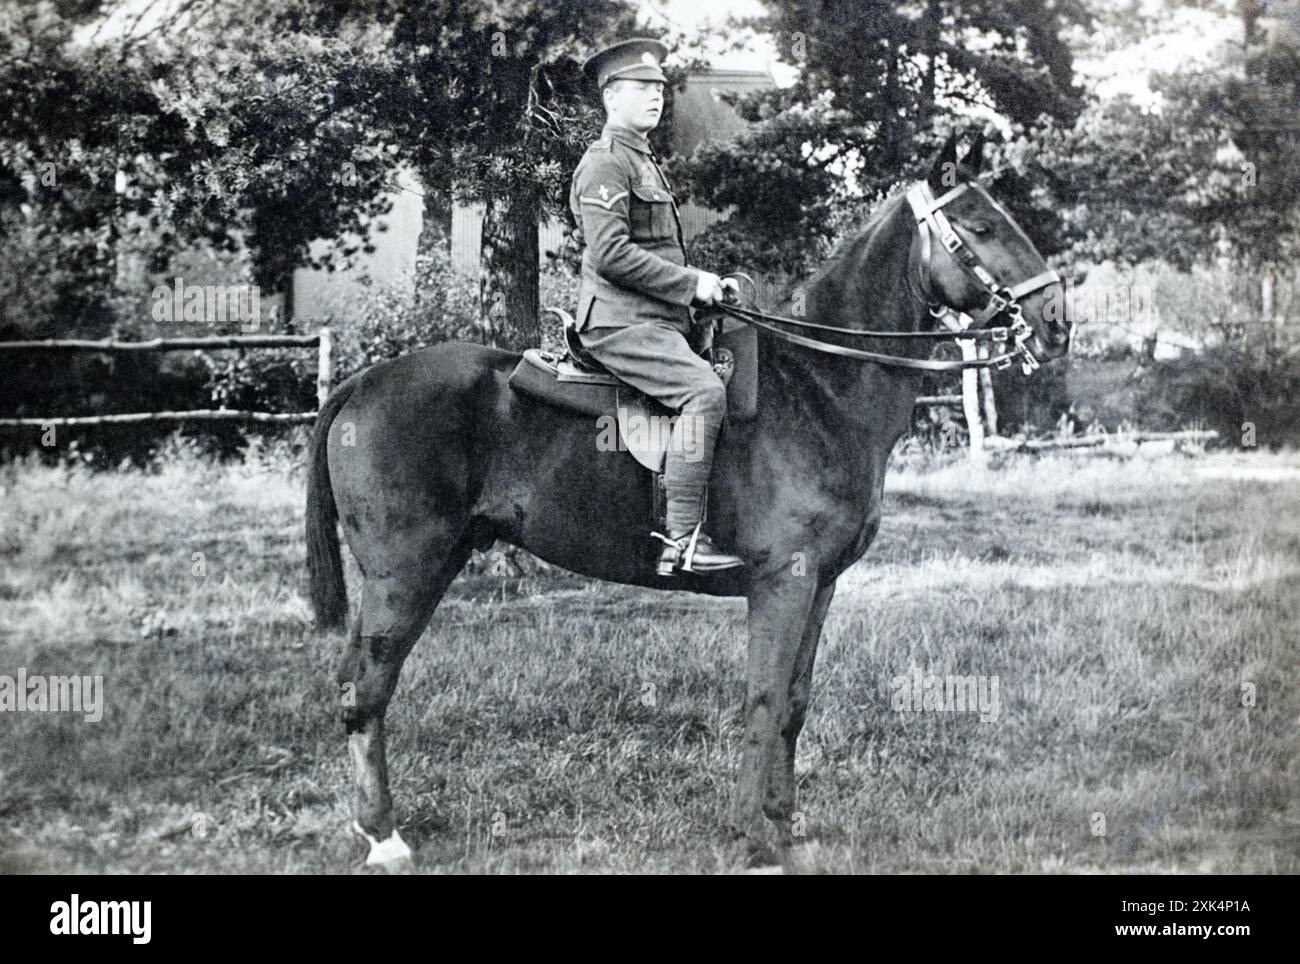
(685, 553)
(684, 560)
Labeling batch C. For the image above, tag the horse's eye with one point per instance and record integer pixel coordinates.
(980, 228)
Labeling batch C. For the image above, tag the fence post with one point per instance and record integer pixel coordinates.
(970, 390)
(970, 401)
(324, 366)
(986, 393)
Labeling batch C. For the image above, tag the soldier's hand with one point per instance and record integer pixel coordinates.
(708, 290)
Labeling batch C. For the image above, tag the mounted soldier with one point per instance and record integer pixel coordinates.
(423, 458)
(636, 292)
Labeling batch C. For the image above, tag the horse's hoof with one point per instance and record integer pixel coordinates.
(762, 843)
(764, 853)
(402, 866)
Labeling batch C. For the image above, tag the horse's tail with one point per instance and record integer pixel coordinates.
(329, 592)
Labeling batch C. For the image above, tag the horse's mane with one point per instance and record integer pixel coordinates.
(864, 228)
(859, 233)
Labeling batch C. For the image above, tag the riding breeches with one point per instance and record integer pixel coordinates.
(656, 358)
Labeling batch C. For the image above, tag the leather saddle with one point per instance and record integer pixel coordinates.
(576, 382)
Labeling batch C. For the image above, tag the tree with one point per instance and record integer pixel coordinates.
(257, 138)
(273, 123)
(877, 86)
(1211, 170)
(488, 105)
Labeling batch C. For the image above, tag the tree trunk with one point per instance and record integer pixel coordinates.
(288, 306)
(889, 113)
(435, 231)
(930, 41)
(508, 272)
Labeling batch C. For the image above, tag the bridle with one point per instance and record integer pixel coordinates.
(928, 211)
(1002, 300)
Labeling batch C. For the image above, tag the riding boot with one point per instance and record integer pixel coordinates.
(691, 550)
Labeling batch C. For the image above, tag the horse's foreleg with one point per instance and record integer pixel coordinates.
(779, 606)
(394, 612)
(780, 801)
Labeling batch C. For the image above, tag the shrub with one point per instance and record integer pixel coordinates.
(385, 321)
(558, 288)
(1248, 391)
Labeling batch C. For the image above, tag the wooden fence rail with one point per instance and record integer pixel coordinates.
(323, 342)
(1110, 439)
(197, 415)
(166, 344)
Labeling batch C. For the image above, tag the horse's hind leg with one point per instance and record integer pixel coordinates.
(395, 608)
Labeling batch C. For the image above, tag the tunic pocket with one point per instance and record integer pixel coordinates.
(652, 214)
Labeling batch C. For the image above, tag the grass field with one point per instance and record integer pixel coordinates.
(551, 723)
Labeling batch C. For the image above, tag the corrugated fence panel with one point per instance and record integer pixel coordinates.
(466, 235)
(550, 237)
(695, 219)
(467, 231)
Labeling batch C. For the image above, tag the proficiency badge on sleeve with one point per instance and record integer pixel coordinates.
(607, 199)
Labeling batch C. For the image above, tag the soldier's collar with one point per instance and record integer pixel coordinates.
(628, 137)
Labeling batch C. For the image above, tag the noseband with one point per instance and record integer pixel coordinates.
(1002, 300)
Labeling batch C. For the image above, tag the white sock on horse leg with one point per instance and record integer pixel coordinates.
(384, 851)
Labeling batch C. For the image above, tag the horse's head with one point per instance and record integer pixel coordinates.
(975, 259)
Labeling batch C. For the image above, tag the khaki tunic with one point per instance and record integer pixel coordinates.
(634, 266)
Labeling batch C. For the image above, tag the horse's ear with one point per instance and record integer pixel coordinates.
(974, 159)
(943, 172)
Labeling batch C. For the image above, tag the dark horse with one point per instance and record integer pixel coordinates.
(428, 456)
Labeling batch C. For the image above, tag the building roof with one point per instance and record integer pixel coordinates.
(699, 115)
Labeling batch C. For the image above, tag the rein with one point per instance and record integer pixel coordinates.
(1002, 300)
(1000, 361)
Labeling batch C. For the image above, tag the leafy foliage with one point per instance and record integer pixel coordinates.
(1246, 390)
(877, 87)
(272, 123)
(1209, 167)
(386, 323)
